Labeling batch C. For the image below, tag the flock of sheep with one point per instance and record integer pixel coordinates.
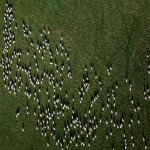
(29, 78)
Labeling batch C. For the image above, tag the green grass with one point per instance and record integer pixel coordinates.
(98, 31)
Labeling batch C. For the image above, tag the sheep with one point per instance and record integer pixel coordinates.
(23, 126)
(17, 112)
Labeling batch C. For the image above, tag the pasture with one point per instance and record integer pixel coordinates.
(74, 75)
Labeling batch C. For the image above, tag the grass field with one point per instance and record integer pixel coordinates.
(98, 32)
